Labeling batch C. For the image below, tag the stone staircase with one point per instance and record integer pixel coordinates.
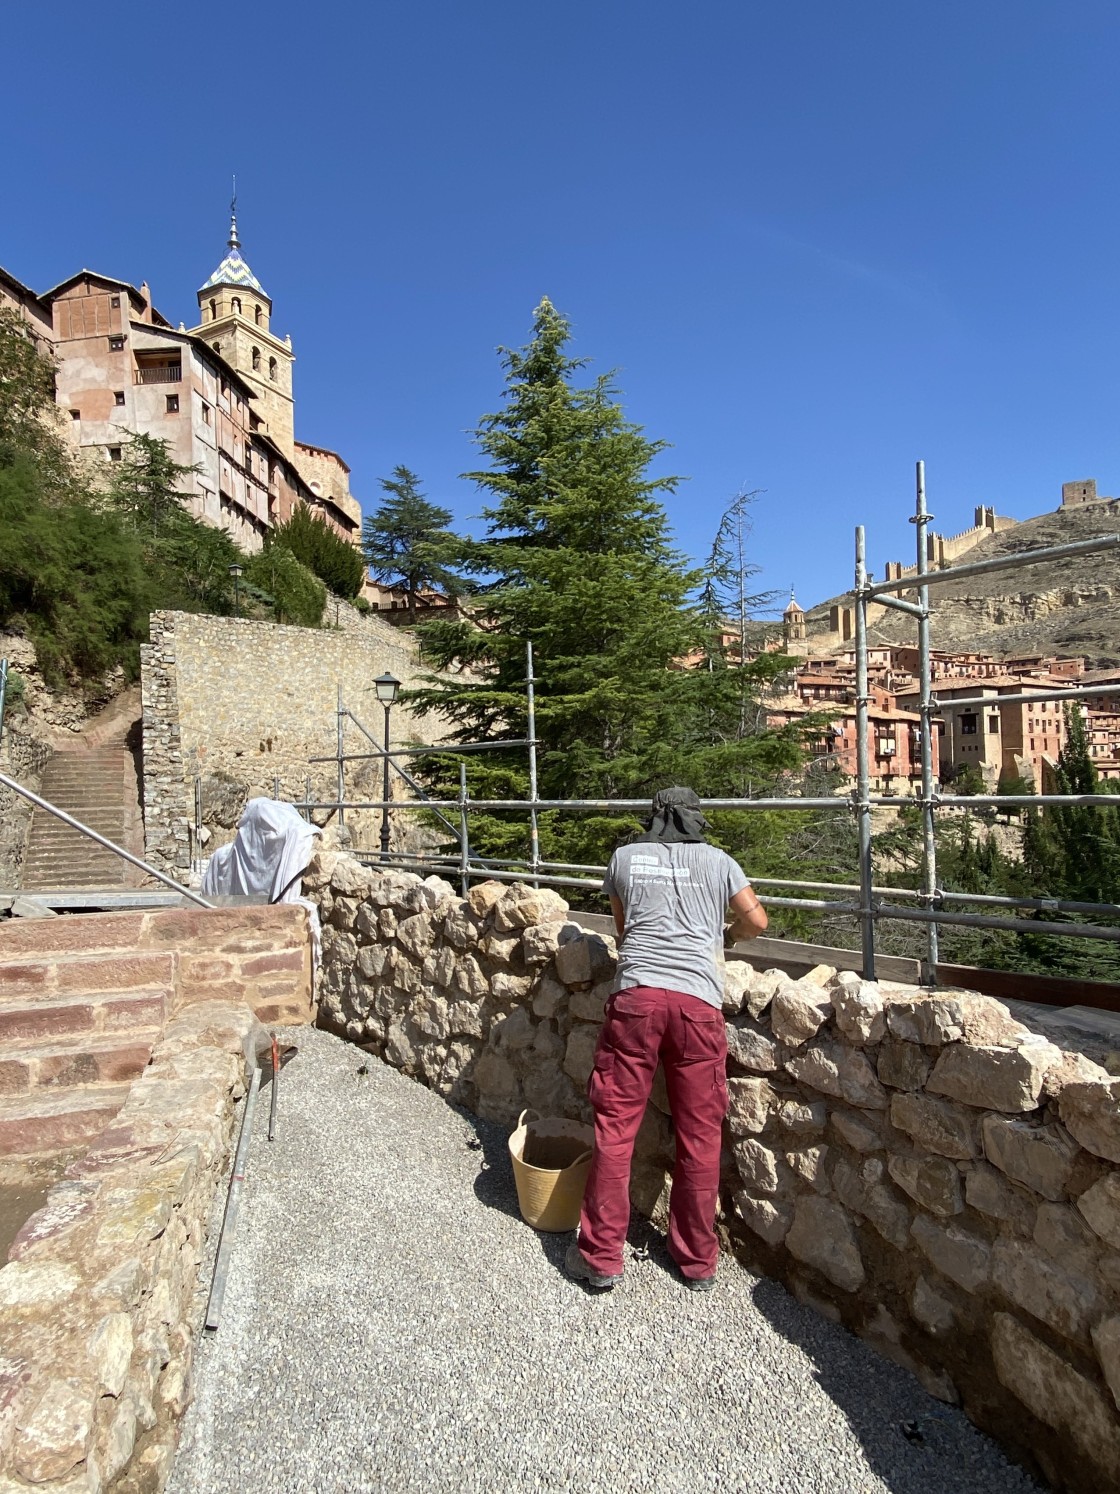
(92, 784)
(80, 1011)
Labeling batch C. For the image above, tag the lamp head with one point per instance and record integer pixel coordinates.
(236, 570)
(387, 687)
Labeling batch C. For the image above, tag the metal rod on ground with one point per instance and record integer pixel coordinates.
(275, 1089)
(233, 1204)
(68, 819)
(863, 767)
(929, 843)
(342, 762)
(464, 834)
(534, 829)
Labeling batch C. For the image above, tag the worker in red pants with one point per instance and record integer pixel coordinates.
(669, 892)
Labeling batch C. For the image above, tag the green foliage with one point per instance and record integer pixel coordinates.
(322, 550)
(407, 541)
(289, 587)
(73, 576)
(146, 485)
(362, 606)
(15, 691)
(578, 561)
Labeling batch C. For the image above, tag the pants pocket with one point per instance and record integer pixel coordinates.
(703, 1035)
(599, 1081)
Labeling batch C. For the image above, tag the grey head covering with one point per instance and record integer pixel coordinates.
(676, 817)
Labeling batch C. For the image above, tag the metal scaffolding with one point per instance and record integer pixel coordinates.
(866, 903)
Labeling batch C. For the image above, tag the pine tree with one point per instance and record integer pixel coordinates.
(321, 549)
(407, 540)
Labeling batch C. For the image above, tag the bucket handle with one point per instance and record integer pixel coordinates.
(582, 1158)
(533, 1114)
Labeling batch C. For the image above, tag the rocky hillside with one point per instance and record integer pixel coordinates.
(1066, 607)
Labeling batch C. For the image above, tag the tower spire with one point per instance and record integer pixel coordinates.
(234, 241)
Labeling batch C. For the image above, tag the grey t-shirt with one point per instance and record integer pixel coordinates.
(675, 897)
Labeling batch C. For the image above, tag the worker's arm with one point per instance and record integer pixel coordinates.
(748, 917)
(619, 916)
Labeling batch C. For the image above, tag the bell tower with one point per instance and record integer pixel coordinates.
(235, 319)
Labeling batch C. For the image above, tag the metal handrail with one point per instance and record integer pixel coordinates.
(68, 819)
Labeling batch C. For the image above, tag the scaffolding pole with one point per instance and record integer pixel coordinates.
(925, 710)
(534, 827)
(863, 766)
(341, 760)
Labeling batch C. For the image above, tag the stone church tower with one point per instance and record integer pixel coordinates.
(236, 313)
(793, 627)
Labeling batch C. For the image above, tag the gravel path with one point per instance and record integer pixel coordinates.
(391, 1324)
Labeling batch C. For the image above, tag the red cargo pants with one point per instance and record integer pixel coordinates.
(642, 1025)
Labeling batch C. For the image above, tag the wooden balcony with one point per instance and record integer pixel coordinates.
(160, 373)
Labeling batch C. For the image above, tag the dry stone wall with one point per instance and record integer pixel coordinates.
(920, 1167)
(97, 1299)
(240, 704)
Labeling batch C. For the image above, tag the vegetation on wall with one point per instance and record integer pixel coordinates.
(321, 549)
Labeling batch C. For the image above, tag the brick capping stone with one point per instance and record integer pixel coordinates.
(920, 1167)
(96, 1321)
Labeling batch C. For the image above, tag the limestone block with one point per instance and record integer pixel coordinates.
(522, 906)
(737, 977)
(822, 1236)
(820, 975)
(30, 1288)
(757, 1165)
(1065, 1237)
(540, 941)
(763, 986)
(752, 1050)
(1040, 1157)
(902, 1065)
(1052, 1292)
(550, 995)
(808, 1163)
(933, 1182)
(437, 891)
(400, 1045)
(803, 1119)
(469, 979)
(798, 1012)
(1106, 1341)
(1091, 1113)
(387, 922)
(506, 987)
(52, 1435)
(415, 934)
(495, 1078)
(344, 913)
(1100, 1206)
(579, 1058)
(866, 1192)
(992, 1078)
(548, 1045)
(371, 961)
(1071, 1068)
(989, 1191)
(460, 925)
(113, 1444)
(590, 1005)
(483, 896)
(549, 1091)
(111, 1350)
(955, 1251)
(750, 1104)
(439, 967)
(933, 1311)
(936, 1125)
(932, 1020)
(512, 1033)
(855, 1131)
(989, 1024)
(843, 1072)
(432, 1019)
(349, 878)
(860, 1009)
(769, 1220)
(1051, 1389)
(583, 957)
(501, 948)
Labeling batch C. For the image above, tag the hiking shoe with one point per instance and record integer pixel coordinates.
(700, 1283)
(579, 1270)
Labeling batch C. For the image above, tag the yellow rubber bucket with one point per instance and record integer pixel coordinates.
(551, 1160)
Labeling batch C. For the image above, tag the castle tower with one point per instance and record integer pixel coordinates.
(793, 626)
(235, 316)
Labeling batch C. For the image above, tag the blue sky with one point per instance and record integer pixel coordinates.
(817, 240)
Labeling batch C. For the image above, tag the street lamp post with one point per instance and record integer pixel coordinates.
(387, 687)
(236, 571)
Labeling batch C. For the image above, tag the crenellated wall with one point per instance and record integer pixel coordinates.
(920, 1167)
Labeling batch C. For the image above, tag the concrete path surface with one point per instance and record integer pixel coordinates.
(391, 1324)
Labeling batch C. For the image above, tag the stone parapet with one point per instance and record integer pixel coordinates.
(921, 1167)
(96, 1334)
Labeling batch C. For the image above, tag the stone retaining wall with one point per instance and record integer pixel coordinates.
(96, 1300)
(923, 1168)
(241, 703)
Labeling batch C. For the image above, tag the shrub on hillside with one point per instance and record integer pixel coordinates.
(322, 550)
